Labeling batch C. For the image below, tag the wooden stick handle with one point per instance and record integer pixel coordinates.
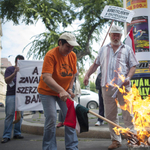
(107, 33)
(107, 120)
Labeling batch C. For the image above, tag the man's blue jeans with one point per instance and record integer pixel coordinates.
(10, 112)
(49, 138)
(101, 105)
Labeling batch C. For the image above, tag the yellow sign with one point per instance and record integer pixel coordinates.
(143, 67)
(142, 71)
(136, 4)
(143, 85)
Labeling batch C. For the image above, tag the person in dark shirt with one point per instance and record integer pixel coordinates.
(10, 79)
(101, 104)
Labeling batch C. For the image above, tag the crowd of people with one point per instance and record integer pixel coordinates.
(57, 84)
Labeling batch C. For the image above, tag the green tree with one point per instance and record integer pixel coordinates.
(93, 86)
(54, 13)
(81, 78)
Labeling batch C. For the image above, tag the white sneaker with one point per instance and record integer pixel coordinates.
(102, 123)
(98, 123)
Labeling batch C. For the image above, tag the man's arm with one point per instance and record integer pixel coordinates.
(130, 74)
(91, 70)
(10, 78)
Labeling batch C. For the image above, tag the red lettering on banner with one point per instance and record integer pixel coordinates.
(139, 6)
(130, 8)
(137, 1)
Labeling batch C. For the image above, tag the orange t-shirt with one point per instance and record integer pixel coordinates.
(61, 67)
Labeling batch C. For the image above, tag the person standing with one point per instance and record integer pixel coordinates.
(76, 88)
(101, 104)
(10, 79)
(115, 59)
(58, 74)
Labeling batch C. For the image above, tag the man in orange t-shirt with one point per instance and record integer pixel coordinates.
(58, 74)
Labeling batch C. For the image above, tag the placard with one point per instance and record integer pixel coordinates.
(117, 13)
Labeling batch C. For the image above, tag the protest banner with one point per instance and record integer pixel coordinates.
(117, 13)
(140, 24)
(141, 78)
(28, 77)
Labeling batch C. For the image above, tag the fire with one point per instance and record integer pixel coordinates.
(140, 110)
(121, 130)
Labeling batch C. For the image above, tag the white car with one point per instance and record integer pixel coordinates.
(89, 99)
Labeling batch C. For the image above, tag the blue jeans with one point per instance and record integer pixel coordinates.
(10, 112)
(101, 105)
(60, 117)
(49, 138)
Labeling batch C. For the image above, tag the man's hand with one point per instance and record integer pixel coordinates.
(127, 81)
(16, 69)
(86, 80)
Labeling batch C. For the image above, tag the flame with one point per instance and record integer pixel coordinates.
(121, 130)
(138, 107)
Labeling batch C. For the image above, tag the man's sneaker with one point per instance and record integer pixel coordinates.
(5, 140)
(18, 136)
(115, 144)
(98, 123)
(102, 123)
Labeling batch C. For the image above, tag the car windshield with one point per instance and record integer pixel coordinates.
(84, 93)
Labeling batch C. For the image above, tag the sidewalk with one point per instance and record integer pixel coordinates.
(34, 124)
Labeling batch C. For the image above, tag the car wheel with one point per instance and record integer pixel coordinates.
(92, 105)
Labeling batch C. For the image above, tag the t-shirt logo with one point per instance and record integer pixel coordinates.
(65, 70)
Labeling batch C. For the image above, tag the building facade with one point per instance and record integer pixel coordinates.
(2, 81)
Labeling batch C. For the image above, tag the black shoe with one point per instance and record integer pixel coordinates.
(41, 112)
(5, 140)
(18, 136)
(33, 112)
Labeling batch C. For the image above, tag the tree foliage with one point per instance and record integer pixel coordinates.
(54, 13)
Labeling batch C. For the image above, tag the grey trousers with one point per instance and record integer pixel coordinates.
(111, 111)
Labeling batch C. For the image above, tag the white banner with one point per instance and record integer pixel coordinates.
(28, 77)
(117, 13)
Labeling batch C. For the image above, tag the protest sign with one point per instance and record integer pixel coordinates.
(142, 82)
(117, 13)
(141, 78)
(28, 77)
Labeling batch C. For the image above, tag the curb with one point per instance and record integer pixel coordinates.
(38, 129)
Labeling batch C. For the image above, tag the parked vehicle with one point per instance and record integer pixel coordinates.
(89, 99)
(1, 104)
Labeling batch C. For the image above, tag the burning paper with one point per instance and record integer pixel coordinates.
(140, 110)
